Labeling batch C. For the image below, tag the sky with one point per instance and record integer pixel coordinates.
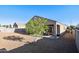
(66, 14)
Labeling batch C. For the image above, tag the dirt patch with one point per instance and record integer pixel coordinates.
(13, 40)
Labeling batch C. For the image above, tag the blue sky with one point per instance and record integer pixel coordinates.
(67, 14)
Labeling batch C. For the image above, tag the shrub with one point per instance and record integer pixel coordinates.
(36, 27)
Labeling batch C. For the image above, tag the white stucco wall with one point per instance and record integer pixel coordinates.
(7, 29)
(62, 27)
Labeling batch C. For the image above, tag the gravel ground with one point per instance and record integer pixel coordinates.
(26, 43)
(65, 44)
(9, 41)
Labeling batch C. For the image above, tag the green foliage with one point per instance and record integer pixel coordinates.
(0, 25)
(70, 28)
(36, 27)
(77, 26)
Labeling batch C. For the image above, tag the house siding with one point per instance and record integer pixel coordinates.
(62, 27)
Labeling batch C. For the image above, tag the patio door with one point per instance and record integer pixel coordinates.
(58, 29)
(50, 29)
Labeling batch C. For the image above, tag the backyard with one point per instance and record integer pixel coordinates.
(14, 42)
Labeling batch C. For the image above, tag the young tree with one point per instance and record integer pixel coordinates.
(10, 26)
(15, 25)
(37, 27)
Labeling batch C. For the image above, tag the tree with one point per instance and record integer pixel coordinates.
(15, 25)
(77, 26)
(3, 25)
(6, 26)
(10, 26)
(71, 28)
(36, 27)
(0, 25)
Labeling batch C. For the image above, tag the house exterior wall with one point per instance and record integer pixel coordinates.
(55, 23)
(62, 27)
(51, 22)
(21, 26)
(55, 29)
